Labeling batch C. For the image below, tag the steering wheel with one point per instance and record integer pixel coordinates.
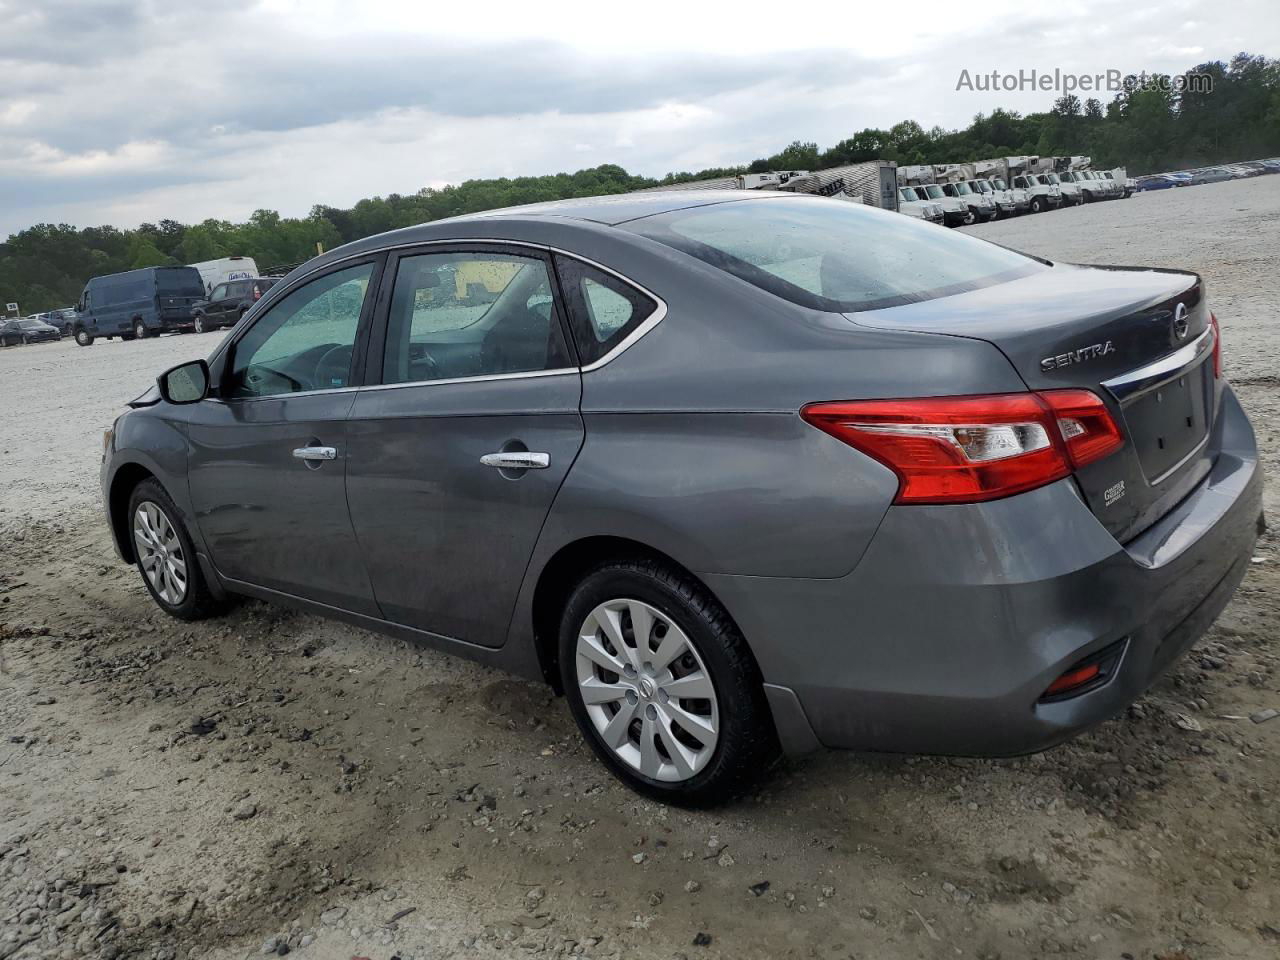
(334, 367)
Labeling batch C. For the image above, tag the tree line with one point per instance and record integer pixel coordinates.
(1146, 128)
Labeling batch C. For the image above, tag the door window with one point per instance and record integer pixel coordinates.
(304, 342)
(219, 292)
(603, 310)
(456, 315)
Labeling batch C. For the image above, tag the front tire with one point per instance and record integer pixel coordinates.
(166, 557)
(198, 324)
(1037, 205)
(663, 686)
(139, 330)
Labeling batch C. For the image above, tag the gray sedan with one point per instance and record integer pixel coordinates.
(740, 475)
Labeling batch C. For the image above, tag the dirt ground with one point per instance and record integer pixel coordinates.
(275, 783)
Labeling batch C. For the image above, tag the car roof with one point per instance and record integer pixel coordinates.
(617, 208)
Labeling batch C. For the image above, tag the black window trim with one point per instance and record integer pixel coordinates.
(281, 288)
(639, 330)
(224, 359)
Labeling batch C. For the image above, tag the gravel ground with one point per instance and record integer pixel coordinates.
(278, 783)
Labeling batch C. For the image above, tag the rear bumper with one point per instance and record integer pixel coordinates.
(957, 618)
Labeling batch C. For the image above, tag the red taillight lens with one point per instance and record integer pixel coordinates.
(970, 449)
(1217, 347)
(1085, 425)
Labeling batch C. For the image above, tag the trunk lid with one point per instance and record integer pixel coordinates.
(1139, 338)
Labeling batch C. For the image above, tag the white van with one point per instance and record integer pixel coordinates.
(214, 272)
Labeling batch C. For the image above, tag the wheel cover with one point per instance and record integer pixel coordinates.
(160, 553)
(647, 691)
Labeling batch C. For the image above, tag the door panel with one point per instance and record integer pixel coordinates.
(475, 361)
(271, 507)
(270, 518)
(445, 538)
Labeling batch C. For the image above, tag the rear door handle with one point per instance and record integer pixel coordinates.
(316, 453)
(517, 460)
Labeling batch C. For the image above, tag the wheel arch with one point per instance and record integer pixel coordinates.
(561, 574)
(126, 479)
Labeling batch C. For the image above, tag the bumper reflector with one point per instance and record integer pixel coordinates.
(1085, 675)
(1073, 678)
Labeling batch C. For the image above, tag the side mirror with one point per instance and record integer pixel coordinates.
(186, 383)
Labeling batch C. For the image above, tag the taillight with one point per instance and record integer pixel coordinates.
(971, 449)
(1217, 347)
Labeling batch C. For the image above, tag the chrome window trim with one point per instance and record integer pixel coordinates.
(656, 317)
(1136, 383)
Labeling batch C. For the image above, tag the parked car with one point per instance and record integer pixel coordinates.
(228, 303)
(1158, 181)
(27, 330)
(62, 318)
(738, 475)
(1212, 175)
(137, 304)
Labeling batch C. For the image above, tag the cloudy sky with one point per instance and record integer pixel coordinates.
(123, 111)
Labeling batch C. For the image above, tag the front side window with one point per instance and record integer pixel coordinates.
(219, 292)
(306, 341)
(457, 315)
(603, 310)
(834, 256)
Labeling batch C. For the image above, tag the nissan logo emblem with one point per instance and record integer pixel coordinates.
(1181, 325)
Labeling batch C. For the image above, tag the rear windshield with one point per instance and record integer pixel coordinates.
(181, 281)
(834, 255)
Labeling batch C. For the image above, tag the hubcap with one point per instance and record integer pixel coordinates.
(160, 553)
(647, 691)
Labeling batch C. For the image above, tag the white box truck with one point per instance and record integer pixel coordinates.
(214, 272)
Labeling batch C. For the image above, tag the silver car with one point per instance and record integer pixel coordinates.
(739, 475)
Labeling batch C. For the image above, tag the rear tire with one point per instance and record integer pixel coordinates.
(695, 751)
(166, 557)
(139, 330)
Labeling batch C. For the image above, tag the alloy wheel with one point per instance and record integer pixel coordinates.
(647, 690)
(160, 553)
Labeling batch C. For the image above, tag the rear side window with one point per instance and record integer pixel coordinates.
(460, 315)
(833, 255)
(603, 310)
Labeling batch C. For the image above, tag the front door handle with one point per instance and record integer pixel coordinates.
(517, 460)
(316, 453)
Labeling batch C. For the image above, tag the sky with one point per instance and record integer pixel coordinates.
(126, 111)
